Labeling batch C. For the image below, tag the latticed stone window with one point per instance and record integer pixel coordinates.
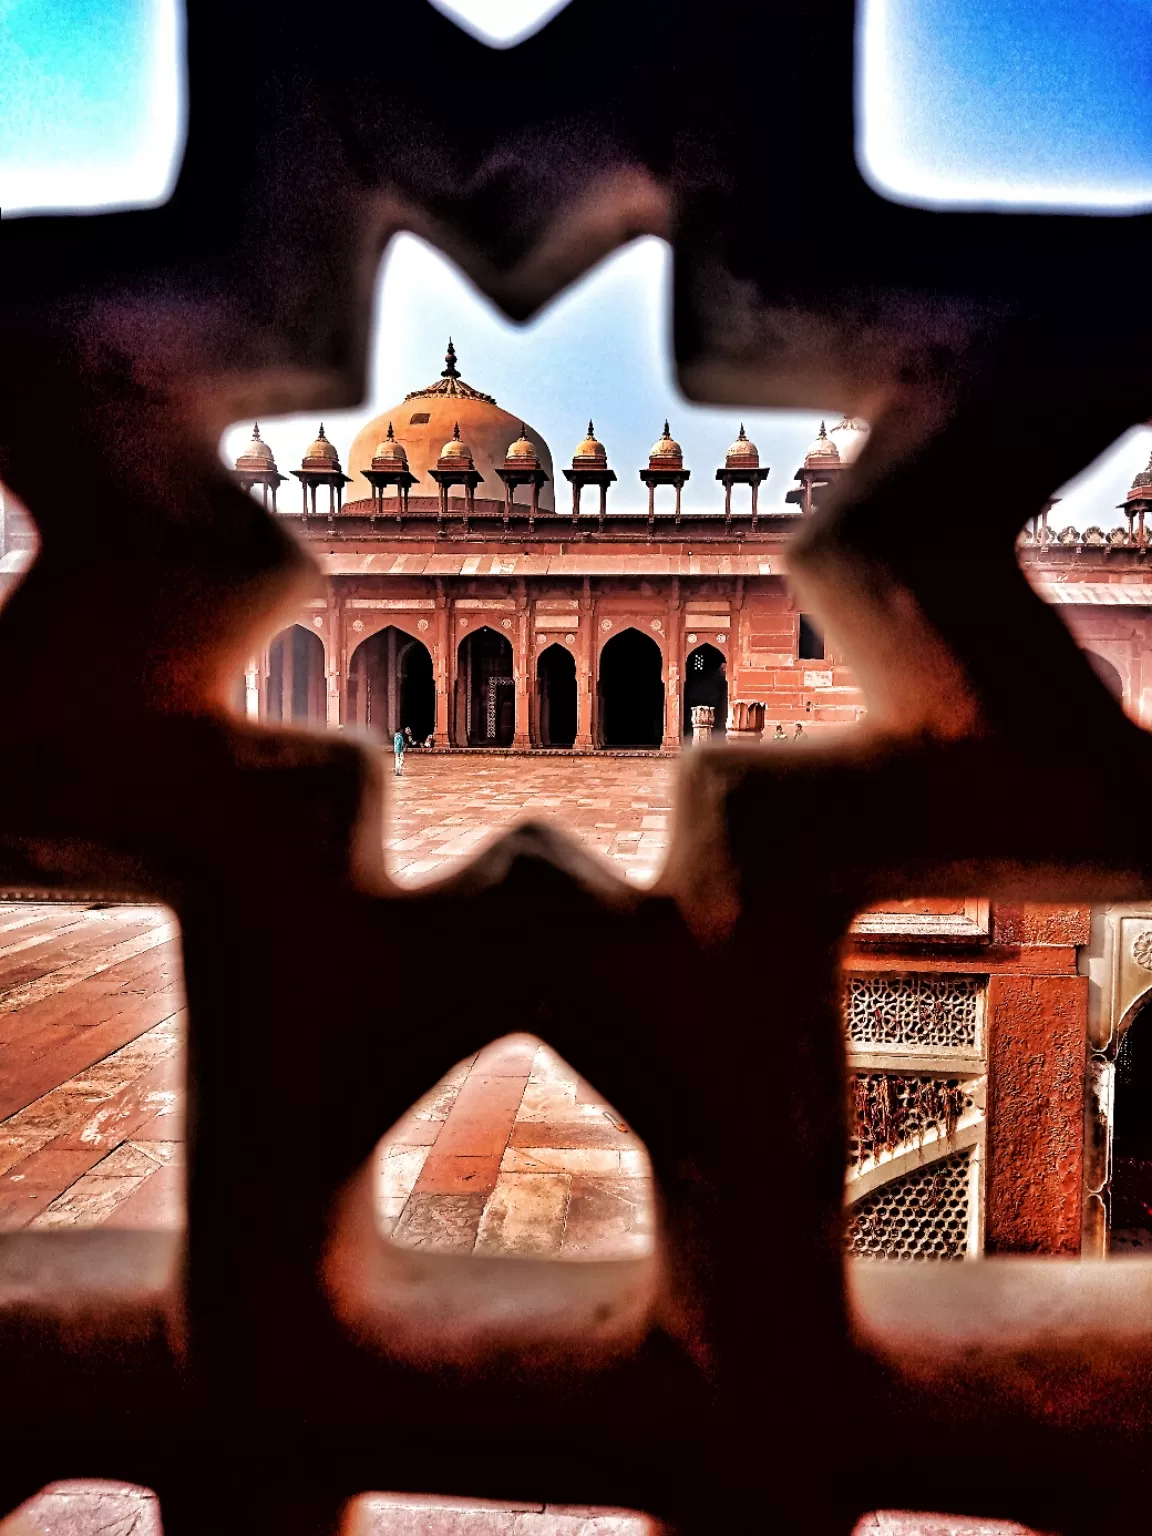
(927, 1214)
(926, 1013)
(916, 1135)
(283, 1359)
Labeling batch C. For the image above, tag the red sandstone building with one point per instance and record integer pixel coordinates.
(466, 598)
(997, 1088)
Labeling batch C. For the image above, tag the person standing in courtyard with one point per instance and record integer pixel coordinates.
(398, 747)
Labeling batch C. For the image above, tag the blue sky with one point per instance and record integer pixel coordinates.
(1041, 103)
(959, 101)
(92, 108)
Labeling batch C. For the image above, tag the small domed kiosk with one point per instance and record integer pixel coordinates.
(742, 467)
(456, 466)
(257, 466)
(522, 466)
(389, 468)
(665, 467)
(822, 463)
(1137, 504)
(590, 467)
(321, 466)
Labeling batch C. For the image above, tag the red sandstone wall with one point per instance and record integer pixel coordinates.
(1036, 1045)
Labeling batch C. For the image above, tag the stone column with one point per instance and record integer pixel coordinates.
(672, 725)
(703, 718)
(745, 722)
(334, 664)
(673, 651)
(585, 642)
(522, 670)
(443, 666)
(252, 689)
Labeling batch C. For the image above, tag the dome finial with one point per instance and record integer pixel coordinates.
(391, 434)
(256, 432)
(450, 371)
(320, 435)
(456, 432)
(666, 432)
(591, 429)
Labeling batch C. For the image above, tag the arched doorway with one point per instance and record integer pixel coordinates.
(556, 696)
(390, 685)
(485, 690)
(296, 692)
(1130, 1216)
(631, 691)
(706, 682)
(1107, 674)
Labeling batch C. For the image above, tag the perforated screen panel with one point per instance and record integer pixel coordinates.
(929, 1013)
(923, 1215)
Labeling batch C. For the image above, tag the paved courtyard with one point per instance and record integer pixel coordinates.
(510, 1153)
(445, 807)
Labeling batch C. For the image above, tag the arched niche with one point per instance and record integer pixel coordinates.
(1108, 674)
(391, 685)
(556, 696)
(1130, 1187)
(296, 693)
(485, 690)
(706, 683)
(630, 691)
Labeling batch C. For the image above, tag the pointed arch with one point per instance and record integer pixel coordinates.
(556, 696)
(1130, 1195)
(630, 691)
(296, 693)
(485, 690)
(391, 685)
(706, 682)
(1108, 674)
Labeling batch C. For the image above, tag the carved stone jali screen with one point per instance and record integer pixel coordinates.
(283, 1358)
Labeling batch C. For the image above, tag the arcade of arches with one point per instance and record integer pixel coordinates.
(392, 684)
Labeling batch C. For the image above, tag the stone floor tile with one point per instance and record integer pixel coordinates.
(89, 1201)
(560, 1160)
(155, 1205)
(32, 1184)
(454, 1174)
(525, 1215)
(609, 1218)
(399, 1168)
(446, 1222)
(411, 1131)
(587, 1132)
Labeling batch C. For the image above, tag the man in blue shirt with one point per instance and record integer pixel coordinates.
(398, 746)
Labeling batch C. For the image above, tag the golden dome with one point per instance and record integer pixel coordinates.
(389, 451)
(456, 452)
(523, 447)
(850, 434)
(590, 454)
(425, 418)
(257, 457)
(823, 450)
(666, 452)
(742, 454)
(321, 455)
